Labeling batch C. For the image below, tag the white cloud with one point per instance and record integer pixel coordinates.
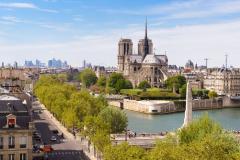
(184, 9)
(54, 27)
(11, 19)
(18, 5)
(25, 6)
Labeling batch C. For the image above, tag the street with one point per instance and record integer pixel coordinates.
(63, 149)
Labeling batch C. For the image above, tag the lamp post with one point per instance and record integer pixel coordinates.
(126, 134)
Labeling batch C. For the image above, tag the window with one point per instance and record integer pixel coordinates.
(1, 143)
(1, 157)
(23, 156)
(11, 142)
(23, 142)
(11, 122)
(11, 157)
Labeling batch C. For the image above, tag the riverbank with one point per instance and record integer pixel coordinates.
(164, 106)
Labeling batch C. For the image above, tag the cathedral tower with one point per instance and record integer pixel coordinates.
(125, 47)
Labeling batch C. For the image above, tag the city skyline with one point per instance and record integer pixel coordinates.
(70, 30)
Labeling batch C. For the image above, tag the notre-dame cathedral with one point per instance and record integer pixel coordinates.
(142, 66)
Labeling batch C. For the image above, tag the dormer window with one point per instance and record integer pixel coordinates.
(11, 122)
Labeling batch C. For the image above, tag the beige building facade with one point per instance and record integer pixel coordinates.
(16, 129)
(224, 82)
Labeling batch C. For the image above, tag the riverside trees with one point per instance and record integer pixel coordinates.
(176, 82)
(76, 109)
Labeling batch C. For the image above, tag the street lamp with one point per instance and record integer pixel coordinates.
(126, 134)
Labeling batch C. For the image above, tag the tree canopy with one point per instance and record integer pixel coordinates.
(88, 77)
(175, 82)
(212, 94)
(116, 81)
(115, 118)
(144, 85)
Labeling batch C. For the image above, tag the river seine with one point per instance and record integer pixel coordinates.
(229, 118)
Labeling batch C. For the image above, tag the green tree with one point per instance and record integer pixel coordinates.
(88, 77)
(124, 152)
(175, 82)
(128, 84)
(101, 140)
(93, 124)
(114, 78)
(62, 77)
(102, 81)
(199, 129)
(144, 85)
(115, 118)
(183, 90)
(117, 82)
(212, 94)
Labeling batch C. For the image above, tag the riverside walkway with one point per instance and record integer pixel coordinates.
(144, 140)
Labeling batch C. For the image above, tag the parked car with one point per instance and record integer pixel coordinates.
(47, 148)
(55, 131)
(53, 138)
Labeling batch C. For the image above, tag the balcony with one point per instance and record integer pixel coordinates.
(11, 146)
(23, 146)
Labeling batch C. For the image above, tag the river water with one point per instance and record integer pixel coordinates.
(229, 118)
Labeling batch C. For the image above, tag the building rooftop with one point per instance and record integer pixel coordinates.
(151, 58)
(10, 104)
(8, 98)
(22, 122)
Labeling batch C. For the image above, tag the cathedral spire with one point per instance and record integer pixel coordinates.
(146, 29)
(145, 45)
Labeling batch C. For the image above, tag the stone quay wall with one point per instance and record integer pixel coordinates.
(169, 107)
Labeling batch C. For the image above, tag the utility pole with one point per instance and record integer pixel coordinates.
(226, 61)
(206, 60)
(226, 75)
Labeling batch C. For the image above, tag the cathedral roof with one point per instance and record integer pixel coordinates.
(151, 58)
(135, 58)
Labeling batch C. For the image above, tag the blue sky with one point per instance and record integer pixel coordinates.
(74, 30)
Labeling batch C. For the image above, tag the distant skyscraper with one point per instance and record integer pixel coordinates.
(15, 65)
(53, 63)
(50, 63)
(38, 63)
(29, 64)
(84, 63)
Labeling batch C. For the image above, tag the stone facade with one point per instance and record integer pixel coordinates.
(19, 151)
(142, 66)
(224, 82)
(16, 128)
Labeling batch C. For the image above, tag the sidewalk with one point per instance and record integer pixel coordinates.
(68, 135)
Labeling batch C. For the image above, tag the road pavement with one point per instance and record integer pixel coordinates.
(64, 149)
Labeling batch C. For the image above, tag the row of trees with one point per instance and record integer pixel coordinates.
(178, 84)
(80, 110)
(116, 82)
(201, 140)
